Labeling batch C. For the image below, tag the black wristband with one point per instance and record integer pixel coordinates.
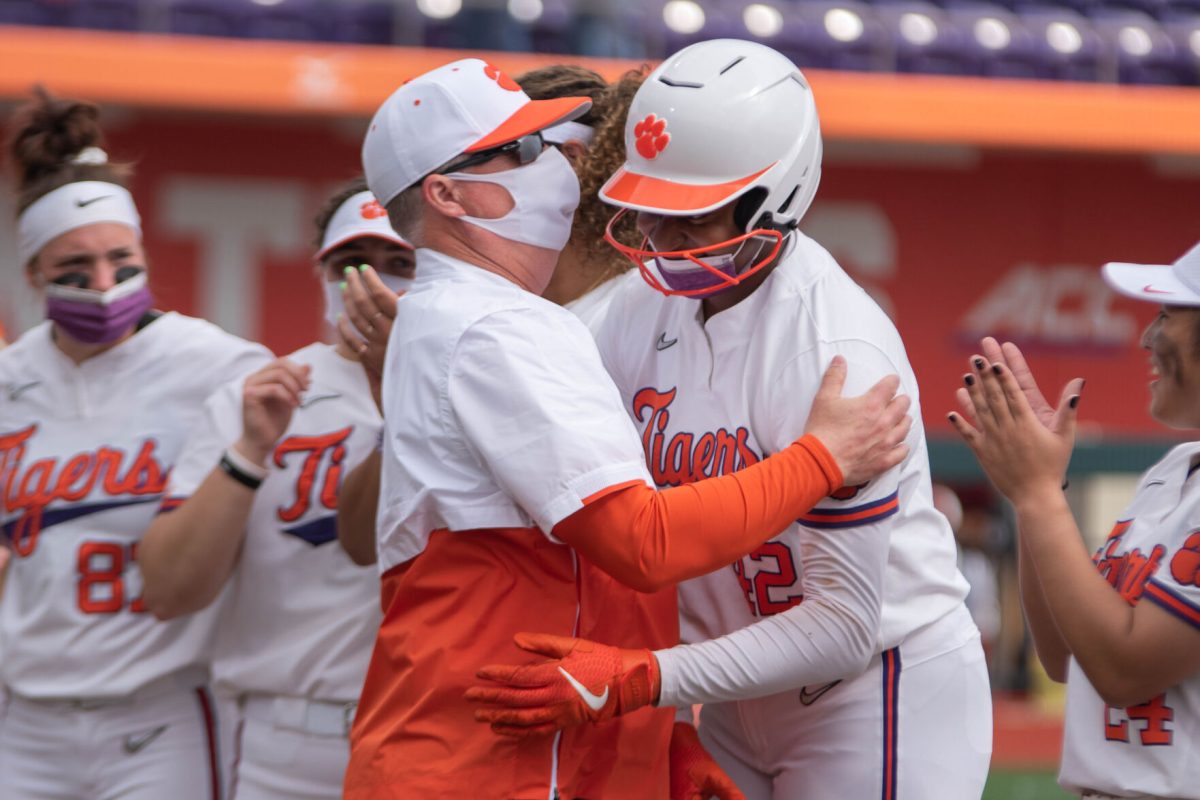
(241, 476)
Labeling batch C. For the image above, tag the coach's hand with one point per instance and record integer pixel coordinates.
(365, 327)
(269, 397)
(694, 773)
(864, 434)
(586, 682)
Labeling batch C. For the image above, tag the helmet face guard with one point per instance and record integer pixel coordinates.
(706, 278)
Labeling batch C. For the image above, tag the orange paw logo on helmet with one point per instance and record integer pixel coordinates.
(502, 80)
(1185, 565)
(372, 210)
(652, 137)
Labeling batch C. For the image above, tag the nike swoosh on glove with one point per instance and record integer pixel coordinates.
(585, 682)
(694, 774)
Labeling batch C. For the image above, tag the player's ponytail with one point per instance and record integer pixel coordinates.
(54, 142)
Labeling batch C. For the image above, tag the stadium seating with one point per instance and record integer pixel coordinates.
(1127, 41)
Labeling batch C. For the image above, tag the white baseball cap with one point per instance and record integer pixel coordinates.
(463, 107)
(1175, 284)
(360, 215)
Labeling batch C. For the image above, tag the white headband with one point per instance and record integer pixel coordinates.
(565, 132)
(70, 207)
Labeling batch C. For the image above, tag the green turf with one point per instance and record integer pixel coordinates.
(1006, 785)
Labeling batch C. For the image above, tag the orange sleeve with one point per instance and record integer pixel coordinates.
(651, 539)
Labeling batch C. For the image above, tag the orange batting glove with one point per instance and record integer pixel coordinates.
(694, 774)
(586, 682)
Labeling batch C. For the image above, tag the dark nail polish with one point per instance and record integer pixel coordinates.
(969, 379)
(996, 368)
(979, 363)
(952, 416)
(1074, 401)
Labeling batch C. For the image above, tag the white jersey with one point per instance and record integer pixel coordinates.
(85, 452)
(1152, 554)
(593, 307)
(505, 416)
(300, 617)
(713, 397)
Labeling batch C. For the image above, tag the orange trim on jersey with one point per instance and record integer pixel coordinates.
(859, 515)
(1173, 603)
(170, 504)
(591, 498)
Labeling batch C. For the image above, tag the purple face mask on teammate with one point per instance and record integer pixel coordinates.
(94, 317)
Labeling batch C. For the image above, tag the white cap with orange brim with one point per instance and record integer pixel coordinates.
(359, 216)
(1175, 284)
(463, 107)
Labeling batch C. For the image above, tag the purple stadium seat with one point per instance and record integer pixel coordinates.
(1003, 45)
(1141, 51)
(925, 39)
(34, 12)
(829, 34)
(1067, 42)
(1184, 32)
(362, 21)
(290, 20)
(109, 15)
(722, 20)
(551, 32)
(206, 17)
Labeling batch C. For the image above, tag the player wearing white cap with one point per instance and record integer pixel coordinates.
(836, 660)
(1120, 625)
(106, 701)
(299, 619)
(504, 441)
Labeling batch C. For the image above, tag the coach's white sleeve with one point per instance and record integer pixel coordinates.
(529, 392)
(833, 633)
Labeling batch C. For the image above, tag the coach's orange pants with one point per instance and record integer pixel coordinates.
(454, 609)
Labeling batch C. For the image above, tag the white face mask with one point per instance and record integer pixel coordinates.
(333, 294)
(545, 194)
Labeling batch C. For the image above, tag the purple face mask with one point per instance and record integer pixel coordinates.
(95, 317)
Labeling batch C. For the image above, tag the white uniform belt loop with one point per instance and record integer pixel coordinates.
(318, 717)
(185, 679)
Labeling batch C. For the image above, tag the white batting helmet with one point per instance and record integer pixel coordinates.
(718, 121)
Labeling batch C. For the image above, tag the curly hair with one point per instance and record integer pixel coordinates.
(606, 153)
(46, 134)
(325, 214)
(605, 156)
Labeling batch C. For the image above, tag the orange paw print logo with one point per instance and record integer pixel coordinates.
(651, 136)
(372, 210)
(502, 80)
(1185, 565)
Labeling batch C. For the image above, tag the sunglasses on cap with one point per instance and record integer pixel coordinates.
(525, 150)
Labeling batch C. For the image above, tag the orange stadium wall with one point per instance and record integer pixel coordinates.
(953, 241)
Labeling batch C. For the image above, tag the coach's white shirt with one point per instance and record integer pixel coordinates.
(84, 455)
(498, 412)
(300, 617)
(710, 397)
(1151, 555)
